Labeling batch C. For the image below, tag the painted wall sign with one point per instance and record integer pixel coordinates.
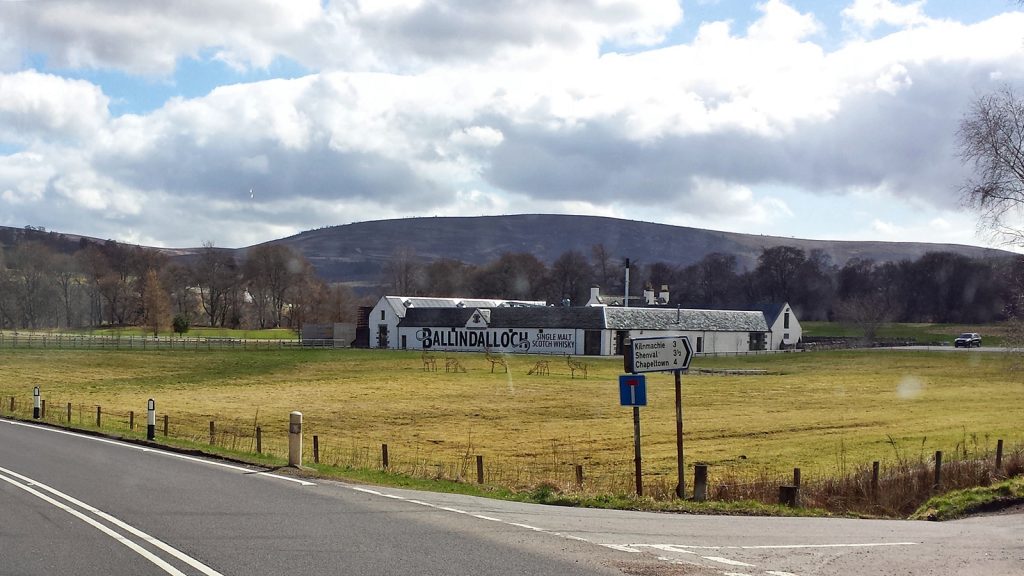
(499, 339)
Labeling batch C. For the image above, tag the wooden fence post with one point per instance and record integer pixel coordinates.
(874, 479)
(131, 420)
(938, 470)
(42, 408)
(12, 403)
(700, 482)
(259, 440)
(316, 449)
(69, 412)
(479, 469)
(788, 496)
(99, 411)
(579, 476)
(999, 455)
(385, 461)
(213, 433)
(165, 425)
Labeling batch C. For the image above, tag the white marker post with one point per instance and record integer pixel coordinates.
(35, 405)
(151, 420)
(295, 439)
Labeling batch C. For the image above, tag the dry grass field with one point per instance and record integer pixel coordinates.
(824, 412)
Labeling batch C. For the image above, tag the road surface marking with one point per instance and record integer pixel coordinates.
(622, 548)
(727, 561)
(5, 475)
(683, 547)
(162, 452)
(777, 573)
(668, 548)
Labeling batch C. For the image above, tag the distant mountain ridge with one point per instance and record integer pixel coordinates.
(357, 253)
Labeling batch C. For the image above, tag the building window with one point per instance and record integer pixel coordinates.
(785, 321)
(382, 315)
(785, 336)
(700, 343)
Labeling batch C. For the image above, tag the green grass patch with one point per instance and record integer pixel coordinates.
(961, 503)
(992, 335)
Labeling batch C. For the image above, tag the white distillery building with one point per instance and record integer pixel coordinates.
(464, 325)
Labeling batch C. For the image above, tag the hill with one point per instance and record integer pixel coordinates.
(357, 253)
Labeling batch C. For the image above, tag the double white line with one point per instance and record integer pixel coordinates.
(78, 509)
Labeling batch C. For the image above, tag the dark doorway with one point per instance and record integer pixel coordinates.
(592, 343)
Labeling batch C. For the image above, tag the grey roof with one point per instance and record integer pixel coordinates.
(513, 317)
(595, 318)
(400, 304)
(584, 318)
(690, 320)
(772, 311)
(436, 317)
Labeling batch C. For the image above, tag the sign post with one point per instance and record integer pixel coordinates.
(151, 420)
(664, 354)
(633, 392)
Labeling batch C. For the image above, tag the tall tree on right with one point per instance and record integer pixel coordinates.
(991, 140)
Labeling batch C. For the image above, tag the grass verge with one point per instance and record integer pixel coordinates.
(961, 503)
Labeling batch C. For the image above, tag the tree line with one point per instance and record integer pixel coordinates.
(942, 287)
(49, 281)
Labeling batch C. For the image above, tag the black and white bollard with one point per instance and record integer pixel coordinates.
(295, 439)
(151, 420)
(35, 402)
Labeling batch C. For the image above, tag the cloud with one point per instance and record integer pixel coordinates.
(866, 15)
(35, 106)
(149, 38)
(470, 108)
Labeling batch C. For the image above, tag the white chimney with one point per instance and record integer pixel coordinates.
(649, 296)
(595, 297)
(663, 296)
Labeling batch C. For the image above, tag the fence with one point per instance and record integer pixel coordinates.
(892, 489)
(64, 341)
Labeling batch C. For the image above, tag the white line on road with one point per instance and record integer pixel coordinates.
(683, 547)
(162, 452)
(727, 561)
(6, 475)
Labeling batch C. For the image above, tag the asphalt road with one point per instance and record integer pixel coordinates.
(72, 504)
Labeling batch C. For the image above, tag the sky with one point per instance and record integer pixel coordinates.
(236, 122)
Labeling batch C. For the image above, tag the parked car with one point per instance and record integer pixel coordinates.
(968, 340)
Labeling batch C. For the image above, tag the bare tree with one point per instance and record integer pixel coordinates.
(991, 140)
(402, 272)
(69, 284)
(216, 276)
(156, 307)
(269, 271)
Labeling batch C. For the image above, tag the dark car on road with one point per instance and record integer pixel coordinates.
(968, 340)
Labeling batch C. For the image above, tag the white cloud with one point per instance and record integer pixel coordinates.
(866, 15)
(513, 110)
(37, 106)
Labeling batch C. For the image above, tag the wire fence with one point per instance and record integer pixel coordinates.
(66, 341)
(893, 489)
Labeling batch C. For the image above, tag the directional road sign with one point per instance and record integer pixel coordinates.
(633, 390)
(660, 354)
